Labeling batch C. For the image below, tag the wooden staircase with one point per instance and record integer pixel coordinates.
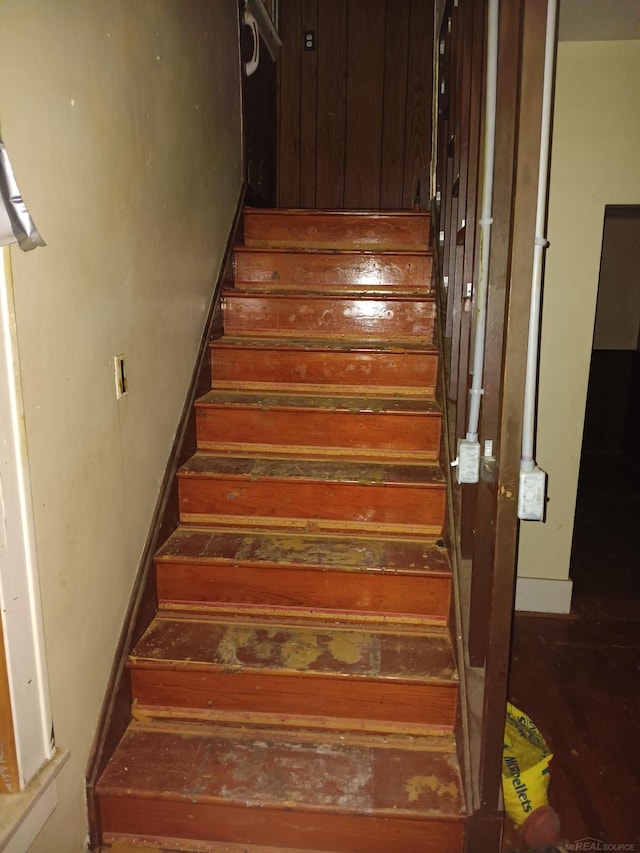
(297, 689)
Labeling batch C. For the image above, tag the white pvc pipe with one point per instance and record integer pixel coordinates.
(529, 416)
(485, 221)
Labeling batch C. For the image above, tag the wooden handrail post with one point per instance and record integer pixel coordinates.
(509, 57)
(511, 399)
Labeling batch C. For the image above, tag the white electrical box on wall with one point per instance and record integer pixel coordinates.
(532, 495)
(468, 461)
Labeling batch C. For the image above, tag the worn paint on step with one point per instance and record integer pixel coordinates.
(323, 552)
(317, 772)
(406, 655)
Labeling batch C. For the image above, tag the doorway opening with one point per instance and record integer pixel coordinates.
(605, 556)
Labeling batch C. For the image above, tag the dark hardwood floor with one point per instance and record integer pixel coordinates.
(578, 676)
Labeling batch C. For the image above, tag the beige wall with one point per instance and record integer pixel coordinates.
(595, 162)
(123, 124)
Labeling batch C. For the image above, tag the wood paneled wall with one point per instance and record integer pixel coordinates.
(354, 114)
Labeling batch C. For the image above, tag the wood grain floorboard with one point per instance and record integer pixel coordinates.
(578, 677)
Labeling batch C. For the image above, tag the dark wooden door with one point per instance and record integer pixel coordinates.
(355, 106)
(259, 119)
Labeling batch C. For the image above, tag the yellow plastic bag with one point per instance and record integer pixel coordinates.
(525, 766)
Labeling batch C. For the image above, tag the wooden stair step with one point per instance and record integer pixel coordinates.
(283, 791)
(316, 315)
(326, 424)
(400, 578)
(347, 367)
(389, 675)
(336, 270)
(321, 493)
(336, 229)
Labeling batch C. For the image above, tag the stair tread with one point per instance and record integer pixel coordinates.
(303, 292)
(310, 251)
(273, 399)
(297, 646)
(369, 214)
(351, 345)
(336, 290)
(339, 553)
(201, 464)
(297, 771)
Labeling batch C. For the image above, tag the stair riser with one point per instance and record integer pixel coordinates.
(358, 507)
(351, 370)
(297, 269)
(277, 828)
(322, 230)
(324, 317)
(415, 435)
(307, 695)
(296, 588)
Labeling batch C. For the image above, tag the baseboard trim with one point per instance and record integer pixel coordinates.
(23, 815)
(544, 595)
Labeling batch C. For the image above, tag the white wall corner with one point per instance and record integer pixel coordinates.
(542, 595)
